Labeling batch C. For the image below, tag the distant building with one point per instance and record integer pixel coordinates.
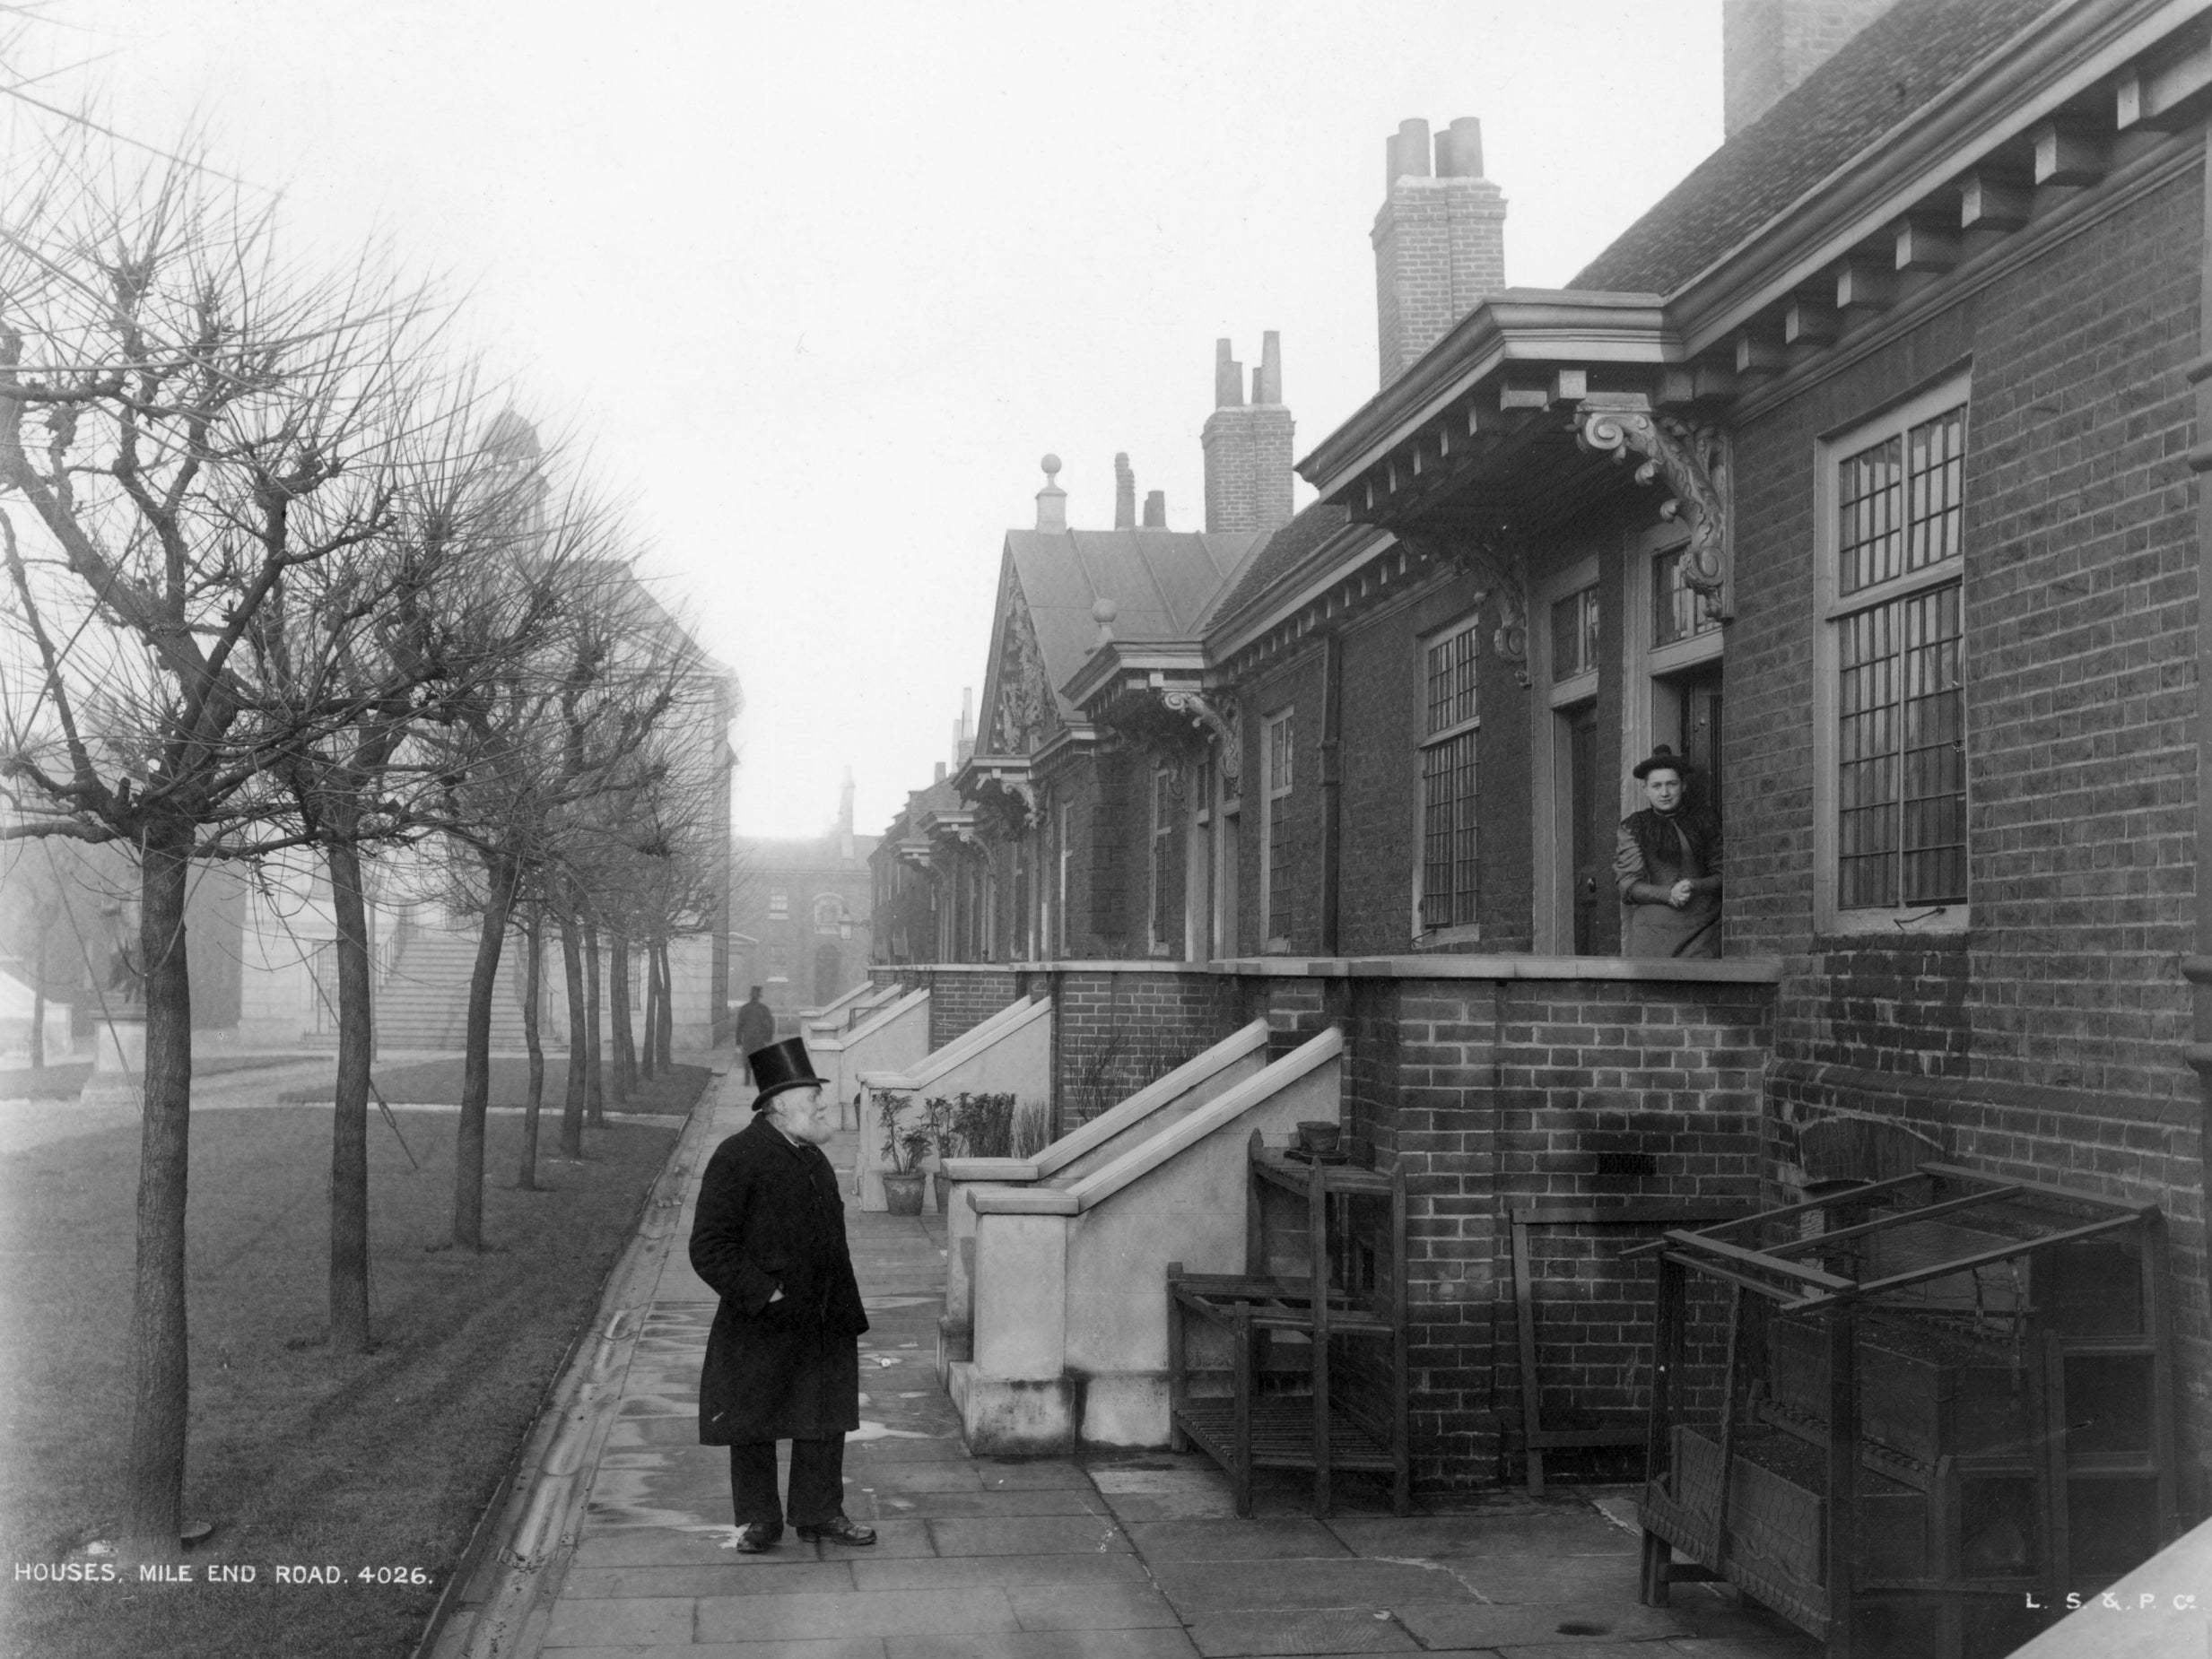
(801, 917)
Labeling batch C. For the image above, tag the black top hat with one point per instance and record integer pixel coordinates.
(781, 1066)
(1662, 758)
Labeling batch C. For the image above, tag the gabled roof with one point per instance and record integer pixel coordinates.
(1161, 583)
(1897, 65)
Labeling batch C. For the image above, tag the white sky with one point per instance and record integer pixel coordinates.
(819, 283)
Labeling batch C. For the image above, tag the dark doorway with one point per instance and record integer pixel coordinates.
(1588, 848)
(1700, 737)
(829, 974)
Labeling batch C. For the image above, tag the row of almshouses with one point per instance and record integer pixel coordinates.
(1913, 366)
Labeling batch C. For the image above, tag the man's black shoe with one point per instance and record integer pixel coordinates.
(838, 1530)
(760, 1534)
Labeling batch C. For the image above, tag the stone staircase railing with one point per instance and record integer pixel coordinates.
(1068, 1299)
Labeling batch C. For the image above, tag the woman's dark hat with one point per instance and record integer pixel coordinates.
(1660, 759)
(781, 1066)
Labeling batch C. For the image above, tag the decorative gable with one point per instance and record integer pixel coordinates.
(1022, 712)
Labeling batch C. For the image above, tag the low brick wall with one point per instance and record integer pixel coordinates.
(1497, 1083)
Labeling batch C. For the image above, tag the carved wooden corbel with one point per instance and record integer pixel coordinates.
(1220, 727)
(1495, 559)
(1692, 459)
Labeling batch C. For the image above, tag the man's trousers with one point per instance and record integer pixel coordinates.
(817, 1482)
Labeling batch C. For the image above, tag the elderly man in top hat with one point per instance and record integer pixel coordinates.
(783, 1361)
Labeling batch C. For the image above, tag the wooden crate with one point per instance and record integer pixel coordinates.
(1777, 1513)
(1924, 1392)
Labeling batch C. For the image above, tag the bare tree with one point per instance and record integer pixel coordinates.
(391, 640)
(189, 426)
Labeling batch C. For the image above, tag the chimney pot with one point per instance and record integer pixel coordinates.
(1125, 493)
(1156, 509)
(1459, 148)
(1267, 384)
(1405, 154)
(1051, 500)
(1228, 378)
(940, 777)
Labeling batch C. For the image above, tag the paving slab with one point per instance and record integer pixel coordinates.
(1234, 1541)
(1211, 1587)
(1475, 1624)
(609, 1621)
(1569, 1528)
(1585, 1580)
(1014, 1504)
(736, 1577)
(856, 1613)
(1045, 1645)
(1044, 1534)
(1315, 1631)
(944, 1572)
(1091, 1607)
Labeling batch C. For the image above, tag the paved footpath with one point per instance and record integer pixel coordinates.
(1129, 1556)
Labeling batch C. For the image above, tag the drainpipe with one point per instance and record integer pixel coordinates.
(1332, 788)
(2198, 969)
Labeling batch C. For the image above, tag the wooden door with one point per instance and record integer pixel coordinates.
(1588, 861)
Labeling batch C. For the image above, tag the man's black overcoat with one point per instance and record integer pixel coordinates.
(769, 1216)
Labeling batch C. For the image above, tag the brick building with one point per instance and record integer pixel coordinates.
(1864, 470)
(802, 914)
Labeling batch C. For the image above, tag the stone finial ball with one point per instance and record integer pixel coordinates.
(1051, 465)
(1104, 611)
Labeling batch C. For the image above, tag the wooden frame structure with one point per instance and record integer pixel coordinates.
(1353, 1287)
(1845, 1499)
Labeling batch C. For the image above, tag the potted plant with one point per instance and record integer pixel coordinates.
(903, 1149)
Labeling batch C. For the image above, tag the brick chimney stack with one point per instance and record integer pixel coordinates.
(1768, 46)
(1439, 239)
(1051, 500)
(1248, 446)
(1156, 509)
(1125, 493)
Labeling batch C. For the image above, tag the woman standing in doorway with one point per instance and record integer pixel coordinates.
(1666, 865)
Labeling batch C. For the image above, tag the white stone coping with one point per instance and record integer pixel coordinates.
(1437, 964)
(1248, 1039)
(965, 1046)
(839, 1004)
(876, 1021)
(1148, 1155)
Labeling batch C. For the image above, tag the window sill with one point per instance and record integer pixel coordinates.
(1901, 924)
(1446, 938)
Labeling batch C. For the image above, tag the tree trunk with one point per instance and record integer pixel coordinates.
(646, 1070)
(349, 1131)
(594, 1080)
(622, 1082)
(667, 1031)
(477, 1056)
(160, 1369)
(38, 1024)
(533, 993)
(573, 976)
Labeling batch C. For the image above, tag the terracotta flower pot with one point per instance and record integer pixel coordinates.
(1319, 1135)
(903, 1191)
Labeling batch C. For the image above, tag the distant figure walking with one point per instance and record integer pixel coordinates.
(1666, 863)
(783, 1359)
(756, 1029)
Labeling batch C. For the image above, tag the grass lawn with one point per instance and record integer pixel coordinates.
(438, 1083)
(298, 1455)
